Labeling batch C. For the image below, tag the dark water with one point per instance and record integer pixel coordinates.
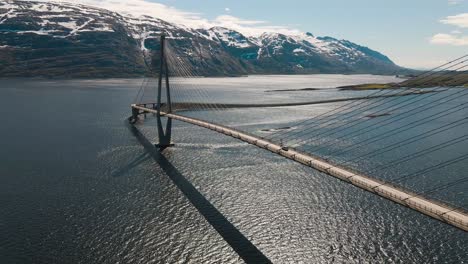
(77, 186)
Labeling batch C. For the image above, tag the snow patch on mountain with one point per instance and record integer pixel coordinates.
(50, 8)
(8, 15)
(229, 37)
(7, 5)
(39, 32)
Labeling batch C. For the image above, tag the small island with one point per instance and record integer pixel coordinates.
(440, 79)
(369, 86)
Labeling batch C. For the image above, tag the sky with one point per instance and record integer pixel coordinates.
(413, 33)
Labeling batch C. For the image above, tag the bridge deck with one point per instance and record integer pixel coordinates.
(434, 209)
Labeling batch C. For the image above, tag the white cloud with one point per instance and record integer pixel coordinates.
(141, 7)
(455, 2)
(227, 9)
(251, 27)
(456, 37)
(193, 20)
(460, 20)
(448, 39)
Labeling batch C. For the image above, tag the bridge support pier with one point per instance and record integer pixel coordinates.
(135, 113)
(164, 136)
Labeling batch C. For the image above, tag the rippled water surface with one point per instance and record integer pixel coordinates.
(77, 186)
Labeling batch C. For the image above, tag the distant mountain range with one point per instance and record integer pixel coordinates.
(43, 39)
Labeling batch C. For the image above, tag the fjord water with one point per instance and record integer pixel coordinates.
(76, 186)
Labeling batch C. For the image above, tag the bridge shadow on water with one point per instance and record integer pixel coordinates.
(243, 247)
(135, 163)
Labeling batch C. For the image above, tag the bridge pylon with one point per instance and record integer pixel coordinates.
(164, 135)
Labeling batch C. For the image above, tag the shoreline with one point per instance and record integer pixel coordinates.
(188, 106)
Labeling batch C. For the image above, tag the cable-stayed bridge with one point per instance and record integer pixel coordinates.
(378, 124)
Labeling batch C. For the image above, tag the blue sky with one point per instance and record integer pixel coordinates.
(401, 29)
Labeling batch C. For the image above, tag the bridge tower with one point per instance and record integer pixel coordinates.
(164, 134)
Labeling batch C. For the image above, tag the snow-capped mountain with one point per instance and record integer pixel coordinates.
(71, 40)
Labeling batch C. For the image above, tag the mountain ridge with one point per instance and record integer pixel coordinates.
(45, 39)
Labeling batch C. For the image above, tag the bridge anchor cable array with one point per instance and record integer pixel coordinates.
(341, 121)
